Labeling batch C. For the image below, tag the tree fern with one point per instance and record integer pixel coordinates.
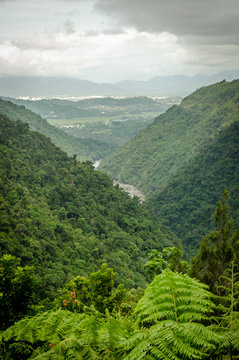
(170, 315)
(68, 335)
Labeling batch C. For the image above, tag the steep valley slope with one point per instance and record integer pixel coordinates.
(85, 149)
(185, 159)
(64, 217)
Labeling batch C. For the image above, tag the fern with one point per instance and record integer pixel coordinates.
(69, 335)
(227, 310)
(63, 332)
(171, 322)
(170, 315)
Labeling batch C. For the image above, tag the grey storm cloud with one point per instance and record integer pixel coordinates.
(217, 19)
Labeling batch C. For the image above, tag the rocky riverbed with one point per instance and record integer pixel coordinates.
(131, 190)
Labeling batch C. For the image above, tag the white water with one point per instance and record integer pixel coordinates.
(96, 163)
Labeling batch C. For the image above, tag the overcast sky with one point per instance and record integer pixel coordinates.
(114, 40)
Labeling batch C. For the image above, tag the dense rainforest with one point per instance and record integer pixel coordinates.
(88, 273)
(203, 178)
(185, 159)
(157, 152)
(175, 317)
(64, 217)
(85, 149)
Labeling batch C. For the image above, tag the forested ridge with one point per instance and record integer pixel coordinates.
(64, 217)
(184, 161)
(85, 149)
(150, 159)
(190, 195)
(67, 109)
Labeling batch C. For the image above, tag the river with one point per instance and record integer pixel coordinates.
(130, 189)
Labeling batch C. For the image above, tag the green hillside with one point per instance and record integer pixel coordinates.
(156, 154)
(111, 122)
(64, 217)
(94, 107)
(85, 149)
(186, 204)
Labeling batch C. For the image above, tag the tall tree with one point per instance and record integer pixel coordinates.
(218, 249)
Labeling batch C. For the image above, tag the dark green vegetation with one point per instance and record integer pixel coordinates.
(185, 159)
(17, 288)
(64, 217)
(60, 220)
(173, 320)
(176, 317)
(85, 149)
(186, 203)
(109, 120)
(217, 250)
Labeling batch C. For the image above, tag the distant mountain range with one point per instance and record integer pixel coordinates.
(59, 86)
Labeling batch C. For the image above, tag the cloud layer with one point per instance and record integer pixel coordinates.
(112, 40)
(209, 18)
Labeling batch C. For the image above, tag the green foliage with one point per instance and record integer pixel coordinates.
(101, 124)
(170, 322)
(170, 258)
(228, 298)
(184, 161)
(50, 332)
(19, 350)
(150, 159)
(218, 249)
(186, 204)
(101, 107)
(157, 262)
(170, 316)
(85, 149)
(17, 288)
(227, 312)
(176, 297)
(98, 290)
(115, 132)
(102, 283)
(64, 217)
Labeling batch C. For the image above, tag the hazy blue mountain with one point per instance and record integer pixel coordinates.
(176, 84)
(53, 86)
(59, 86)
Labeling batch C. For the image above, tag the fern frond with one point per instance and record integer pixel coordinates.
(182, 295)
(172, 314)
(139, 351)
